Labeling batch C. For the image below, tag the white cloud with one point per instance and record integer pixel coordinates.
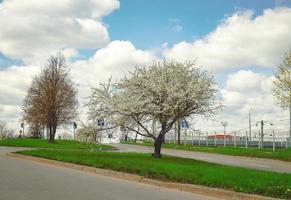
(249, 90)
(31, 30)
(115, 60)
(232, 99)
(247, 81)
(14, 83)
(240, 40)
(245, 90)
(177, 28)
(66, 8)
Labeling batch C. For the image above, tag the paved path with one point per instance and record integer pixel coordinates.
(27, 180)
(255, 163)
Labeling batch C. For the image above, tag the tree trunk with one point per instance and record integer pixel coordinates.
(51, 134)
(179, 132)
(158, 146)
(53, 129)
(135, 138)
(136, 134)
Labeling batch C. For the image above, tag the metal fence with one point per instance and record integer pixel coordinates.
(269, 139)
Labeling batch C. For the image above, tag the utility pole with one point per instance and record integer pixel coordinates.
(250, 124)
(262, 123)
(179, 131)
(274, 144)
(246, 139)
(224, 124)
(262, 134)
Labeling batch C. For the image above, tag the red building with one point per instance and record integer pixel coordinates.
(220, 136)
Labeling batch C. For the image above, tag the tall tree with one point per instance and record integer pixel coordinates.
(282, 82)
(164, 91)
(51, 99)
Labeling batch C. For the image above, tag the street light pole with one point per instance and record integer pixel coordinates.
(22, 126)
(250, 124)
(224, 124)
(262, 134)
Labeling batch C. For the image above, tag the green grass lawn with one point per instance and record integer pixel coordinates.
(280, 154)
(59, 144)
(178, 170)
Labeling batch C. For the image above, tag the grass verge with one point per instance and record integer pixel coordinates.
(279, 154)
(59, 144)
(177, 169)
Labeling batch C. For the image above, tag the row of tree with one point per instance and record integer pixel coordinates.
(164, 92)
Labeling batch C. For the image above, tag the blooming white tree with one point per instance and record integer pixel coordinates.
(164, 92)
(89, 133)
(282, 84)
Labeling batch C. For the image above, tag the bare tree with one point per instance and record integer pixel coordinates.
(2, 129)
(51, 99)
(35, 130)
(282, 82)
(164, 91)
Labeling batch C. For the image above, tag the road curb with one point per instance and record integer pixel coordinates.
(195, 189)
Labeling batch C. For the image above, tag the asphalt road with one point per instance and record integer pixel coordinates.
(27, 180)
(254, 163)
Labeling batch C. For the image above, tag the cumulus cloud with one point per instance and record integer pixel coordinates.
(14, 83)
(115, 59)
(65, 8)
(31, 30)
(247, 81)
(244, 90)
(240, 40)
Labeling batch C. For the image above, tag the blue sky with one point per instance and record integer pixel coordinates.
(242, 49)
(148, 24)
(6, 61)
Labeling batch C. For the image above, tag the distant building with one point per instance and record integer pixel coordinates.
(220, 137)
